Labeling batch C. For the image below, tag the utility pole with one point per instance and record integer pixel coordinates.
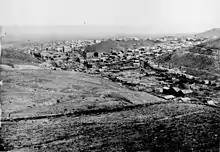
(2, 34)
(1, 80)
(0, 41)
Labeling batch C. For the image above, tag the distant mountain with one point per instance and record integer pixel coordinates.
(73, 32)
(202, 60)
(210, 33)
(20, 33)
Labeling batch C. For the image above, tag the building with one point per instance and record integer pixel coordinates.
(93, 55)
(175, 91)
(66, 49)
(185, 92)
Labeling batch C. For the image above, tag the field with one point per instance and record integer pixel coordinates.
(47, 110)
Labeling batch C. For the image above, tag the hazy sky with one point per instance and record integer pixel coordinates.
(156, 15)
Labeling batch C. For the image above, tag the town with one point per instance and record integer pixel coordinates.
(109, 76)
(134, 67)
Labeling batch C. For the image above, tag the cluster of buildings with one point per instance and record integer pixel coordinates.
(132, 68)
(60, 54)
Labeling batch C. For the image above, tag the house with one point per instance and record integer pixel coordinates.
(175, 91)
(136, 65)
(89, 55)
(44, 54)
(92, 55)
(96, 54)
(185, 99)
(114, 52)
(93, 60)
(141, 88)
(59, 49)
(66, 49)
(158, 90)
(169, 97)
(185, 92)
(211, 102)
(142, 48)
(206, 82)
(129, 57)
(166, 90)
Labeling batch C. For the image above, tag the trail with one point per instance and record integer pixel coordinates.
(180, 116)
(81, 112)
(100, 111)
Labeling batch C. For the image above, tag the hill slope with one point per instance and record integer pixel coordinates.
(202, 60)
(210, 33)
(212, 44)
(87, 116)
(106, 46)
(12, 57)
(51, 111)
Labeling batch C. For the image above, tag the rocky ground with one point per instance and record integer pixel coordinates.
(46, 110)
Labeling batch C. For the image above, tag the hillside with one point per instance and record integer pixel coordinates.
(50, 111)
(202, 60)
(12, 57)
(68, 111)
(212, 44)
(106, 46)
(210, 33)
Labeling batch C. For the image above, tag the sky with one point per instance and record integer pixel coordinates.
(157, 16)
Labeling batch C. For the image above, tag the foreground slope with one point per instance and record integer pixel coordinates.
(69, 111)
(38, 92)
(53, 111)
(167, 127)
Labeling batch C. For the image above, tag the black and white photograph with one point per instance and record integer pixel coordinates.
(109, 76)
